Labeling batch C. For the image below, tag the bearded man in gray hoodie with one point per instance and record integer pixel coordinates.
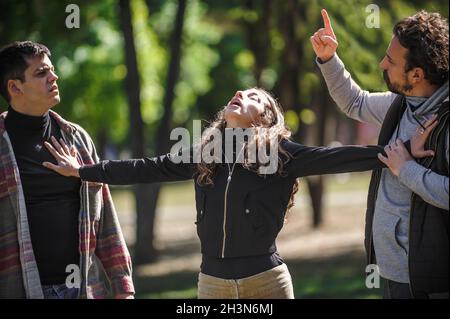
(407, 223)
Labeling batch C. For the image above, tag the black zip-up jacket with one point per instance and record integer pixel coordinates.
(428, 257)
(242, 214)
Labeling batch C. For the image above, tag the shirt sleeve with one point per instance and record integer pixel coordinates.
(165, 168)
(307, 160)
(358, 104)
(432, 187)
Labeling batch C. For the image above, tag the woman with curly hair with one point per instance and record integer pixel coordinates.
(240, 207)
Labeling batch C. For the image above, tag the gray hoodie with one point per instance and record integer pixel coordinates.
(391, 218)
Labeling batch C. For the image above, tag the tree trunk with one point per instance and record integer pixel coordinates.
(257, 36)
(287, 87)
(315, 184)
(315, 187)
(143, 249)
(288, 90)
(173, 72)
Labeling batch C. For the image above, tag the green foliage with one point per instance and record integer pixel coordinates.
(152, 32)
(88, 60)
(217, 58)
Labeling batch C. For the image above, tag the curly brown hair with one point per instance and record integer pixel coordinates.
(425, 35)
(272, 118)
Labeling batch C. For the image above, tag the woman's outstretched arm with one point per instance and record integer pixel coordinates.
(135, 171)
(307, 160)
(165, 168)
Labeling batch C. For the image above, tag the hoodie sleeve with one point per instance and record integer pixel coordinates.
(432, 187)
(358, 104)
(307, 160)
(165, 168)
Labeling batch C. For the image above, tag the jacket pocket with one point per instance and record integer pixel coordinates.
(252, 215)
(200, 200)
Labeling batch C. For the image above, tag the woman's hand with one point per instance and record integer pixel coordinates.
(398, 155)
(420, 137)
(324, 41)
(67, 161)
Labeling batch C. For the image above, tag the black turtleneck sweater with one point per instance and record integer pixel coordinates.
(52, 200)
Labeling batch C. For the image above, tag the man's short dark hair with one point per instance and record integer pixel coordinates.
(13, 62)
(425, 35)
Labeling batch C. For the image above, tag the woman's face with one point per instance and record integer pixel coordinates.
(245, 108)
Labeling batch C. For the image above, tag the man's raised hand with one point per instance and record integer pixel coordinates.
(324, 40)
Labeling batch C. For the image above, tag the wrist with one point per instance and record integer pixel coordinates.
(325, 58)
(401, 167)
(76, 172)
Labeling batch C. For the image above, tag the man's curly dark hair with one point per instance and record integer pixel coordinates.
(425, 35)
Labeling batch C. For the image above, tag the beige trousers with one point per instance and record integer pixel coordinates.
(275, 283)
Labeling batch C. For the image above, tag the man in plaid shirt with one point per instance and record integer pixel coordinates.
(57, 236)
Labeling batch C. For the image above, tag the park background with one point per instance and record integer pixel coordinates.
(134, 70)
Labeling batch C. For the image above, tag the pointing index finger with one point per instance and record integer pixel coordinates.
(327, 23)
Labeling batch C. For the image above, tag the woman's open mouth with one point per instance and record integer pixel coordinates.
(53, 88)
(235, 102)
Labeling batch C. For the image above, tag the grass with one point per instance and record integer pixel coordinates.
(336, 277)
(176, 285)
(339, 277)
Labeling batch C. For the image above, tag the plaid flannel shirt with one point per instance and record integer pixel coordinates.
(101, 243)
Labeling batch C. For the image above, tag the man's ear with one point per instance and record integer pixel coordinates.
(418, 75)
(14, 87)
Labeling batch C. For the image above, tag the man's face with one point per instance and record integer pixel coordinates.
(393, 67)
(39, 90)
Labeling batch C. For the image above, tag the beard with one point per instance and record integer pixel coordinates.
(395, 87)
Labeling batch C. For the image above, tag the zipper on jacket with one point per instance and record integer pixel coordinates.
(230, 173)
(225, 214)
